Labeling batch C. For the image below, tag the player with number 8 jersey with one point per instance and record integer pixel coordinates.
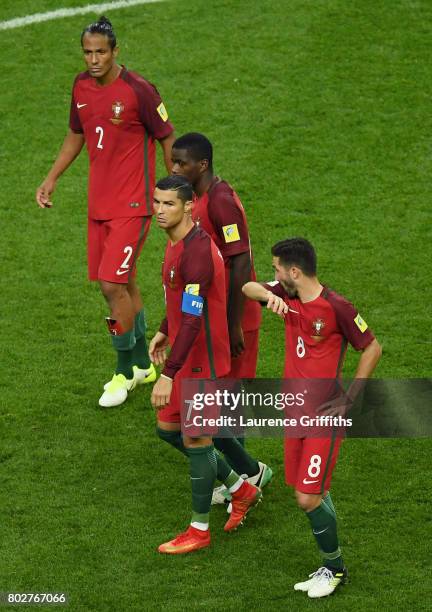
(319, 323)
(118, 115)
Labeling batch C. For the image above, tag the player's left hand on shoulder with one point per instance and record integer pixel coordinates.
(161, 392)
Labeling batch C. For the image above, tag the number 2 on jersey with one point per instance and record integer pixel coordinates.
(100, 131)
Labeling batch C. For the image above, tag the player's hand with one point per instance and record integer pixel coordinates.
(43, 193)
(158, 347)
(337, 407)
(277, 304)
(161, 392)
(236, 338)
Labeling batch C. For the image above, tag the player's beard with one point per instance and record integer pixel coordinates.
(290, 288)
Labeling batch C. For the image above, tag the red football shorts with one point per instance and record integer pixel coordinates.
(309, 463)
(175, 412)
(114, 246)
(244, 366)
(171, 412)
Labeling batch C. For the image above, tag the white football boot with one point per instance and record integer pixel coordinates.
(322, 582)
(116, 391)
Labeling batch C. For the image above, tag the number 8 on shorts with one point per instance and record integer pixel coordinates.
(314, 466)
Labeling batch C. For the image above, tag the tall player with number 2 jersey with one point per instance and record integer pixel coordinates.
(118, 115)
(319, 324)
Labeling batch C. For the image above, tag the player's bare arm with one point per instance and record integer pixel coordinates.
(71, 148)
(158, 347)
(166, 144)
(368, 361)
(257, 292)
(241, 269)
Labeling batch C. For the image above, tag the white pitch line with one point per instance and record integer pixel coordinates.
(19, 22)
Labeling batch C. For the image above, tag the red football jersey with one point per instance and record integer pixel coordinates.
(220, 212)
(120, 123)
(194, 281)
(317, 333)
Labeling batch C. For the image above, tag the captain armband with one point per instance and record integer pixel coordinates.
(192, 304)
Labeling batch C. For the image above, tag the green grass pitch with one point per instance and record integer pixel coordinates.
(319, 112)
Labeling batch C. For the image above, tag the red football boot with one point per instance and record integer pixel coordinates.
(242, 501)
(189, 540)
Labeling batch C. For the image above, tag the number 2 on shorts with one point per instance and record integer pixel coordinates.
(128, 250)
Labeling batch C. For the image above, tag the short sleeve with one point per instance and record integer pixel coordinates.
(353, 326)
(276, 288)
(151, 109)
(229, 224)
(196, 266)
(74, 120)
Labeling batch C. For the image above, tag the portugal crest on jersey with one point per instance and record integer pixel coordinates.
(171, 278)
(117, 109)
(318, 326)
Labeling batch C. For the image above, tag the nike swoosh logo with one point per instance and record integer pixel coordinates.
(196, 478)
(292, 310)
(120, 272)
(81, 105)
(318, 532)
(305, 481)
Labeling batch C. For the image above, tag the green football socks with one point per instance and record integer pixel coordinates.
(226, 475)
(324, 528)
(140, 352)
(124, 345)
(203, 467)
(327, 500)
(236, 456)
(174, 438)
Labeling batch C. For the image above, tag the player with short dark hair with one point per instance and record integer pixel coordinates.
(319, 323)
(119, 115)
(218, 210)
(194, 282)
(298, 251)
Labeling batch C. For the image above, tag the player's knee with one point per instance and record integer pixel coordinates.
(132, 285)
(307, 501)
(112, 291)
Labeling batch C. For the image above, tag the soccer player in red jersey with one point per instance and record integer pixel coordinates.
(118, 115)
(193, 278)
(219, 211)
(319, 323)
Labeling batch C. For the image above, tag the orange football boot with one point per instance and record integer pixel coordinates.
(242, 501)
(189, 540)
